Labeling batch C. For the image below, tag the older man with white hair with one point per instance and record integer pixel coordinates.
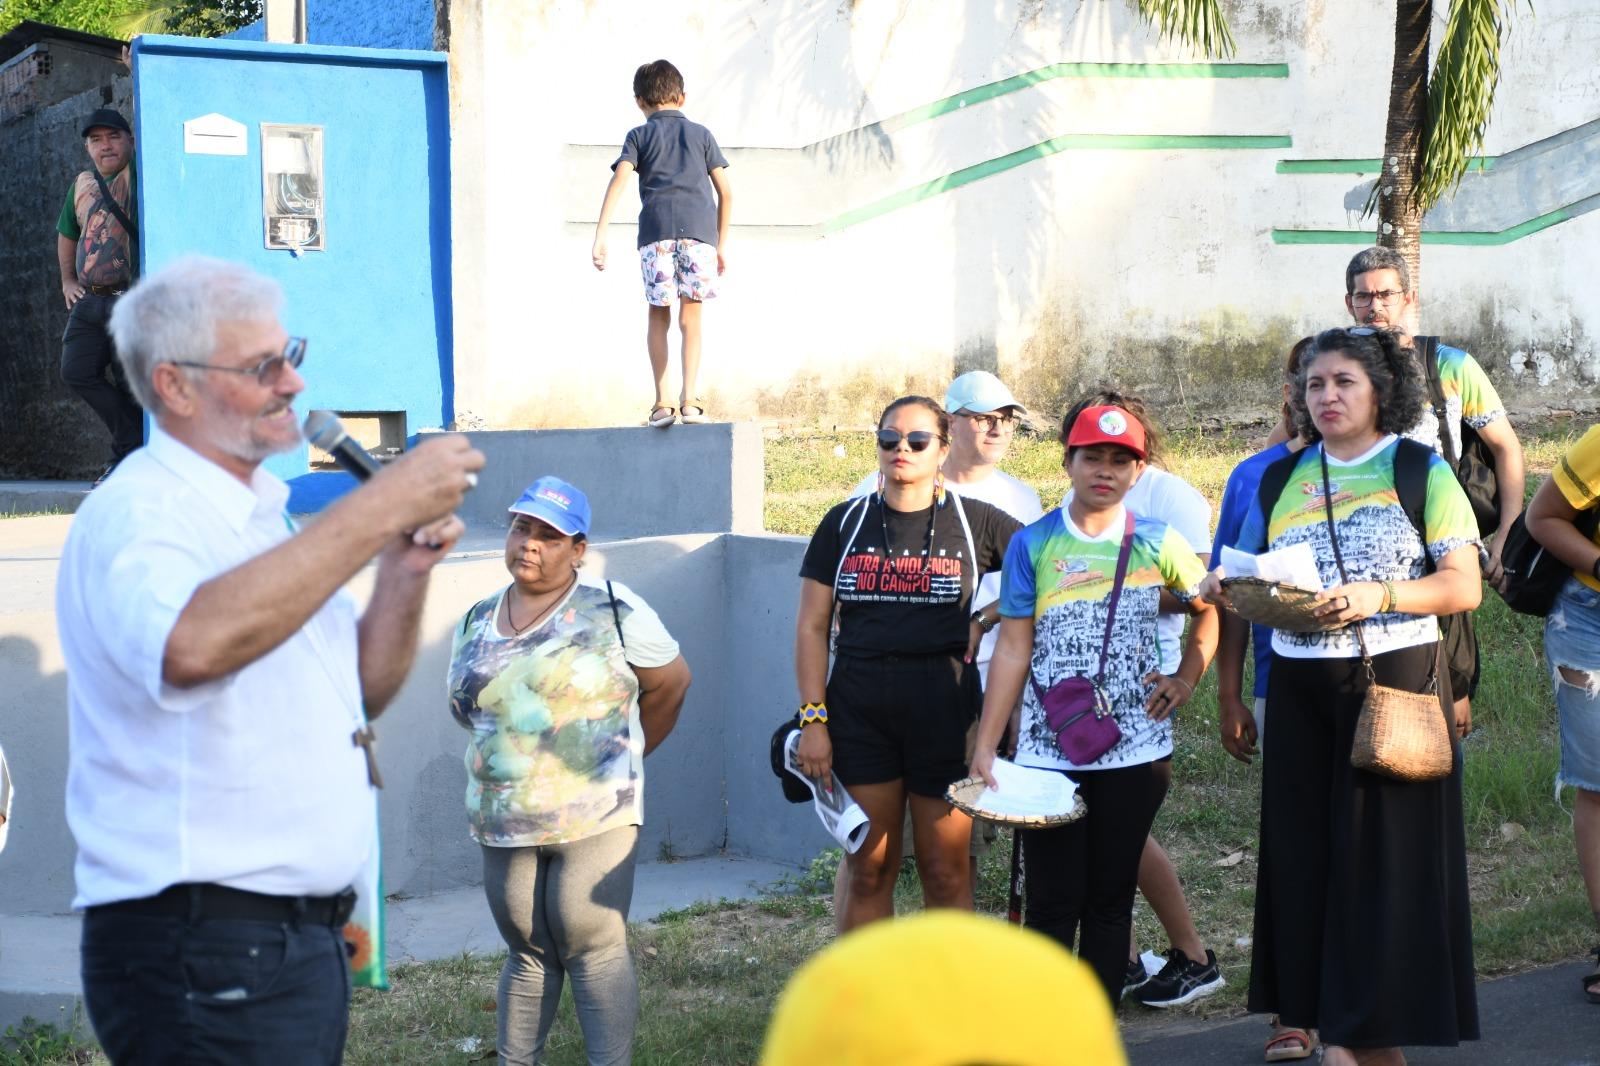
(220, 682)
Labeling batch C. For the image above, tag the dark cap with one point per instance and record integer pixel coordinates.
(107, 116)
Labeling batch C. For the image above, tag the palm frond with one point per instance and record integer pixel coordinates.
(1461, 92)
(1199, 23)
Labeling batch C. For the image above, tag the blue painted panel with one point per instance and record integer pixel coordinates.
(371, 23)
(375, 306)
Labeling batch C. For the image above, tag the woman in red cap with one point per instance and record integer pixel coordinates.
(1080, 594)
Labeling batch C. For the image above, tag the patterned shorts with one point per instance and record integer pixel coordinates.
(685, 268)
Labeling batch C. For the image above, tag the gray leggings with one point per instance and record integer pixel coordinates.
(563, 908)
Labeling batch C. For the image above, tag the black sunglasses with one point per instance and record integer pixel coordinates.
(918, 439)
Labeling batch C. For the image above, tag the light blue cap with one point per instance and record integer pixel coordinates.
(980, 392)
(556, 503)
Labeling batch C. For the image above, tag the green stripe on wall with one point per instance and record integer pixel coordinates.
(1360, 166)
(1469, 238)
(1079, 141)
(979, 93)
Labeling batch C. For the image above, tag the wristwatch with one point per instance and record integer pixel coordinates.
(985, 624)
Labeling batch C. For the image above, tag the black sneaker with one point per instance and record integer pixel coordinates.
(1135, 977)
(1181, 981)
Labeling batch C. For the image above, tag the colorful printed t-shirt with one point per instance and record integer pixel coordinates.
(895, 596)
(1062, 578)
(557, 752)
(1577, 475)
(1376, 538)
(105, 254)
(1469, 396)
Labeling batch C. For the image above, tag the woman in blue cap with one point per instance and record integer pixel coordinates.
(566, 684)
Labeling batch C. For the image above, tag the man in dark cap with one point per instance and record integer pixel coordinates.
(96, 247)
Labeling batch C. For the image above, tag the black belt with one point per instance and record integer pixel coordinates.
(105, 290)
(196, 902)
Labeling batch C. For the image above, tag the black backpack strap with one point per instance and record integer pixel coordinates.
(615, 617)
(1428, 353)
(1411, 461)
(1273, 481)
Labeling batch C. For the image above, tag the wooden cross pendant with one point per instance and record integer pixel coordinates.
(364, 738)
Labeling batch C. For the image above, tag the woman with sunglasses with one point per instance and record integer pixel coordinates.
(890, 721)
(1080, 595)
(1363, 928)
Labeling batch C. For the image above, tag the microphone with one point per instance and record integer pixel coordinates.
(324, 429)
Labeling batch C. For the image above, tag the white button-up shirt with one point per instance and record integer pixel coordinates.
(250, 781)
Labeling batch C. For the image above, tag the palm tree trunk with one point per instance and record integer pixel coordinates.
(1399, 208)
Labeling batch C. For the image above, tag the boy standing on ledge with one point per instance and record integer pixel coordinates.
(682, 229)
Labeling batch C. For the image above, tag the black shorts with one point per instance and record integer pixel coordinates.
(902, 718)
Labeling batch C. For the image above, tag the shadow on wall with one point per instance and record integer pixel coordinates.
(36, 867)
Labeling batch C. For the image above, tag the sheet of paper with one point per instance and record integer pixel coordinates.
(1236, 563)
(1294, 565)
(1027, 790)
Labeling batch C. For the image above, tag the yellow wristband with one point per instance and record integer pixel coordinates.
(813, 712)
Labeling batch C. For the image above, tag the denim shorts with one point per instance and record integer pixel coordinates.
(1572, 639)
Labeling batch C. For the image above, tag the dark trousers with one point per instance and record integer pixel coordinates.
(164, 990)
(86, 356)
(1081, 877)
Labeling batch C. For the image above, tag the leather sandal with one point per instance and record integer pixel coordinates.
(1591, 980)
(1289, 1043)
(662, 416)
(699, 417)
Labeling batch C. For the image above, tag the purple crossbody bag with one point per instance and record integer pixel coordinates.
(1075, 708)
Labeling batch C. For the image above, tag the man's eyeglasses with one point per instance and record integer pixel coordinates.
(918, 439)
(992, 423)
(267, 371)
(1362, 298)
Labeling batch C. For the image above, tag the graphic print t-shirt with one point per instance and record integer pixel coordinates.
(1577, 475)
(1012, 496)
(1376, 538)
(895, 598)
(105, 252)
(1062, 579)
(557, 752)
(1469, 396)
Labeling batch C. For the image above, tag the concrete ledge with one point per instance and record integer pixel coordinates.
(640, 481)
(42, 497)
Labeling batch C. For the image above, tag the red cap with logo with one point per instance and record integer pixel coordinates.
(1108, 425)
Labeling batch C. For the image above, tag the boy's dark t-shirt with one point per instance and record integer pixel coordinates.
(674, 158)
(895, 602)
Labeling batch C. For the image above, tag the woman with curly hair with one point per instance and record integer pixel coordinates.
(1362, 926)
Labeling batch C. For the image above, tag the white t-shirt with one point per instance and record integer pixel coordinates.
(1168, 498)
(251, 781)
(1015, 498)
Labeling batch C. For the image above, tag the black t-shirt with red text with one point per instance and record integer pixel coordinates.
(896, 598)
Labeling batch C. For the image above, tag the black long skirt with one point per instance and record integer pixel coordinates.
(1363, 928)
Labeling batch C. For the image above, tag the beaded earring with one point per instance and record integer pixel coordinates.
(938, 489)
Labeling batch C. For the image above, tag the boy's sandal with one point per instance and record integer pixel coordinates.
(662, 416)
(1590, 992)
(1288, 1043)
(699, 417)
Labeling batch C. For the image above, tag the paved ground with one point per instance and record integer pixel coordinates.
(1539, 1017)
(39, 955)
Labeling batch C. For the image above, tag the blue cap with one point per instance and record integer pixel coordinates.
(556, 503)
(980, 392)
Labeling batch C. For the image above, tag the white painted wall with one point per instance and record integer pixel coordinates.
(1157, 267)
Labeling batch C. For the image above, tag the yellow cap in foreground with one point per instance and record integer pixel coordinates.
(943, 988)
